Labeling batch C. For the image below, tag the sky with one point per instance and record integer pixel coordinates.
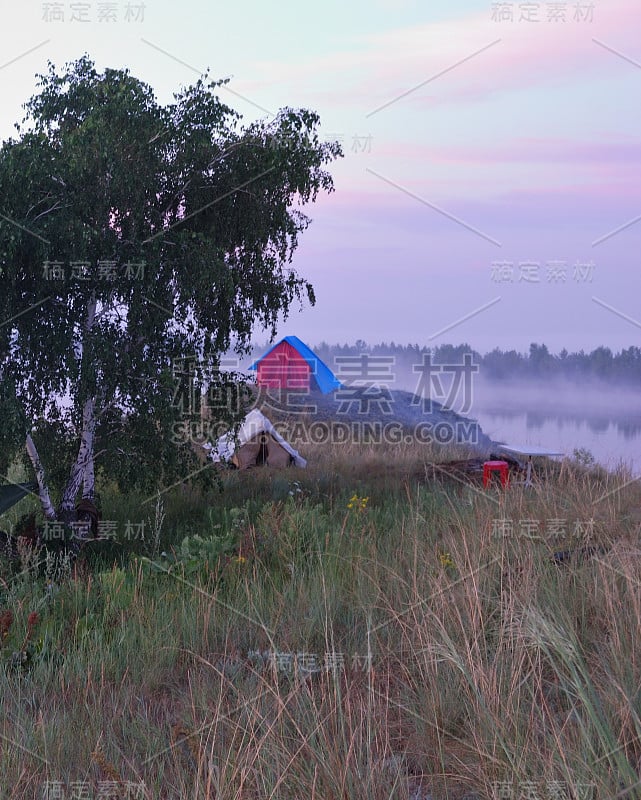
(490, 191)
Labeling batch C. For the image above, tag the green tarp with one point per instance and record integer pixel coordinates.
(12, 493)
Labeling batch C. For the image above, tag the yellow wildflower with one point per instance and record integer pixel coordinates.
(358, 502)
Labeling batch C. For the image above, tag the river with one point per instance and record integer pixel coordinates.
(606, 421)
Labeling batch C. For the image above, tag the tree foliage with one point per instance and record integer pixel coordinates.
(538, 363)
(133, 234)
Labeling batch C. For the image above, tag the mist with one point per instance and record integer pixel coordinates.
(570, 402)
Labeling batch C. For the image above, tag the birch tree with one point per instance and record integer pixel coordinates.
(132, 234)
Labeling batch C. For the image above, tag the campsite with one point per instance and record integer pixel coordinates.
(234, 633)
(324, 599)
(296, 302)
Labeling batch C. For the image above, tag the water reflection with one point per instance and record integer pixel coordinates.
(628, 426)
(611, 440)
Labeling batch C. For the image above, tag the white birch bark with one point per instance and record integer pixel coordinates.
(89, 479)
(43, 491)
(82, 471)
(84, 459)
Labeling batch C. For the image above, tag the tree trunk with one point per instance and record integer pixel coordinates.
(82, 471)
(45, 500)
(88, 479)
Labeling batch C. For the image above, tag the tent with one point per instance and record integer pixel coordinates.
(291, 364)
(257, 442)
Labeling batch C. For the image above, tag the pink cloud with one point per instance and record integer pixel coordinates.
(537, 150)
(382, 67)
(528, 54)
(386, 218)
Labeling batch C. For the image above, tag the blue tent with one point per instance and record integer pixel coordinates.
(280, 366)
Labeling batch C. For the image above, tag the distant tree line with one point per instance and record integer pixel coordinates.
(623, 367)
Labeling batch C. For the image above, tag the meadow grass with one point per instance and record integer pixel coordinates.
(370, 634)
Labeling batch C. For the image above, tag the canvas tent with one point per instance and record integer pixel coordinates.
(291, 364)
(256, 443)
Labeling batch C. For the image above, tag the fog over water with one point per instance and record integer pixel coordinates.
(604, 419)
(564, 414)
(559, 414)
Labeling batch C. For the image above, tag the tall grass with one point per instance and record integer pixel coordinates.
(398, 648)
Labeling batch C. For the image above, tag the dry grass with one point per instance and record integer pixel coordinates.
(471, 662)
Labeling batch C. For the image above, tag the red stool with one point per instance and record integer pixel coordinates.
(496, 466)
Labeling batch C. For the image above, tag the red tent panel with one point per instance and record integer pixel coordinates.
(284, 368)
